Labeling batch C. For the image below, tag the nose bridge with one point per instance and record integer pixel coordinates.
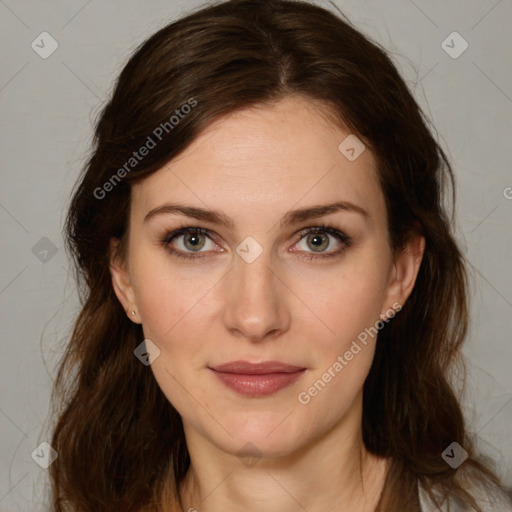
(255, 303)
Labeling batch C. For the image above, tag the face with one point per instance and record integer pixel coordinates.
(286, 259)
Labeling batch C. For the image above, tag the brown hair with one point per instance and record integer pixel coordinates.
(113, 419)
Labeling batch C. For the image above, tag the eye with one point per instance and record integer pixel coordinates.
(192, 243)
(316, 240)
(188, 242)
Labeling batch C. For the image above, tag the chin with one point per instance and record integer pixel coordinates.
(270, 438)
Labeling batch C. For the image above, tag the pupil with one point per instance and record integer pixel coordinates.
(193, 241)
(319, 241)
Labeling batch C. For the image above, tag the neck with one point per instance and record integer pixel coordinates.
(335, 469)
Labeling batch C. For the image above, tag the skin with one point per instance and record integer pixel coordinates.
(255, 166)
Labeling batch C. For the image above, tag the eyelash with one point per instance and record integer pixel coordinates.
(342, 237)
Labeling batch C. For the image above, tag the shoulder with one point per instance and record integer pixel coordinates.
(492, 500)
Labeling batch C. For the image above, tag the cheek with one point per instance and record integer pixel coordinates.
(344, 302)
(169, 297)
(173, 312)
(349, 305)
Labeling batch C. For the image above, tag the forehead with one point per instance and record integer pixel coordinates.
(264, 158)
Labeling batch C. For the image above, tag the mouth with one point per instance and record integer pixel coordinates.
(257, 380)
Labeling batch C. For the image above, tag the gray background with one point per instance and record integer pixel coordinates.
(47, 109)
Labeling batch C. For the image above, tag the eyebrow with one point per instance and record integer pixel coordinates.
(290, 218)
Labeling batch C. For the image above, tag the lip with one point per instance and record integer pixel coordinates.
(247, 368)
(257, 379)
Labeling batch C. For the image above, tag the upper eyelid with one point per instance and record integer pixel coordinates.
(176, 233)
(301, 233)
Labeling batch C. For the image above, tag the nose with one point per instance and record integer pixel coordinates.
(256, 301)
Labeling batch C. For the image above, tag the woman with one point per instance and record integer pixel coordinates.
(273, 301)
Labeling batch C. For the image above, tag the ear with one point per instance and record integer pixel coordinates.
(405, 270)
(121, 282)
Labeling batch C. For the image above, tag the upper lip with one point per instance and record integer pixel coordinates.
(247, 368)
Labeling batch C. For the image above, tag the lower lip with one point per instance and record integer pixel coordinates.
(258, 385)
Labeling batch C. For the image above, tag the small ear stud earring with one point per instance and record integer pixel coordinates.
(133, 312)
